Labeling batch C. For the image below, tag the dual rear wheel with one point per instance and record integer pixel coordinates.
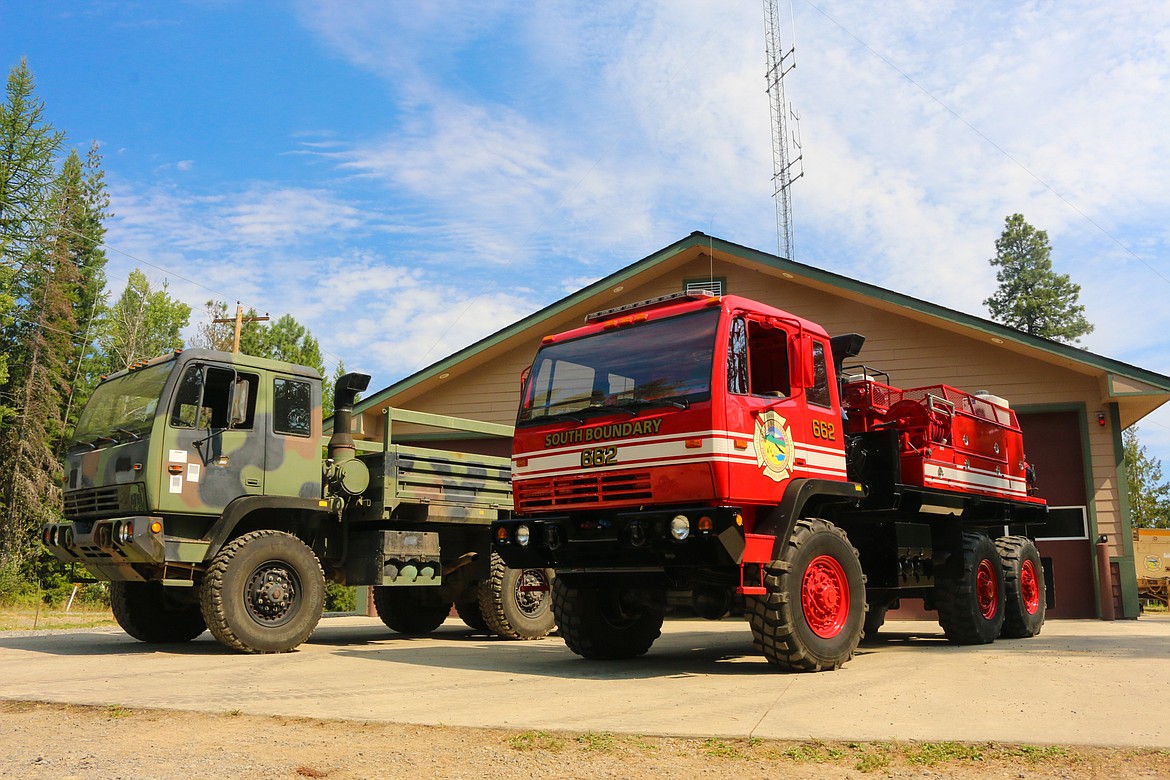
(990, 589)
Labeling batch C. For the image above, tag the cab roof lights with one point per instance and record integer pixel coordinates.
(651, 303)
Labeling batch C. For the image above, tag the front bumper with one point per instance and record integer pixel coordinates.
(633, 540)
(113, 548)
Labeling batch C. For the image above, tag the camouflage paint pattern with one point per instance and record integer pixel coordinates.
(171, 470)
(181, 463)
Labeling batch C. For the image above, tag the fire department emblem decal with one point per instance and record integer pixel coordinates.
(773, 446)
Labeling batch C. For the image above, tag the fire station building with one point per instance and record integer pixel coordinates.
(1072, 404)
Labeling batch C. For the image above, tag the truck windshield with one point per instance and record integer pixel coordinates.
(665, 361)
(122, 409)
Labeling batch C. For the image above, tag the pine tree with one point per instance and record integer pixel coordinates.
(37, 325)
(1031, 296)
(81, 187)
(1149, 495)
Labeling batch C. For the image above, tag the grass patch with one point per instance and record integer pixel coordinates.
(601, 742)
(933, 753)
(27, 618)
(729, 748)
(536, 740)
(814, 753)
(117, 711)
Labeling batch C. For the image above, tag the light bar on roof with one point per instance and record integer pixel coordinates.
(662, 300)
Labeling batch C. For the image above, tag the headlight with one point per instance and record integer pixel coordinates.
(523, 535)
(680, 527)
(123, 532)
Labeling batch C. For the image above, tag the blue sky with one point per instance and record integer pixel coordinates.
(405, 178)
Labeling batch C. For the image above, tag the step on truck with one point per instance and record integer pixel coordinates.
(717, 452)
(200, 486)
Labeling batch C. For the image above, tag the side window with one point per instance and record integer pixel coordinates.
(737, 358)
(768, 360)
(292, 407)
(819, 393)
(186, 411)
(205, 395)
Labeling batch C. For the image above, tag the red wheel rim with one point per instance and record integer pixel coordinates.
(987, 589)
(824, 596)
(1030, 587)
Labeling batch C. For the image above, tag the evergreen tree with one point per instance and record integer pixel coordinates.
(143, 323)
(36, 326)
(1031, 296)
(28, 144)
(80, 236)
(1149, 495)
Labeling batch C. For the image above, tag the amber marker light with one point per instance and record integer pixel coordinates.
(521, 462)
(739, 520)
(694, 444)
(502, 534)
(706, 523)
(156, 527)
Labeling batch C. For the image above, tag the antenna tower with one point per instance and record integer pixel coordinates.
(785, 169)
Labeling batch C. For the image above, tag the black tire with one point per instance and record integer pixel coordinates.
(1023, 584)
(414, 611)
(605, 624)
(263, 593)
(517, 603)
(813, 615)
(151, 613)
(969, 592)
(471, 615)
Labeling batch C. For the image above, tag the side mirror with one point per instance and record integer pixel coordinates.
(800, 362)
(239, 403)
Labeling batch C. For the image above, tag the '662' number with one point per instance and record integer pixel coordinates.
(602, 456)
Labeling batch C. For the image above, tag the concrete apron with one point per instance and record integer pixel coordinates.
(1081, 682)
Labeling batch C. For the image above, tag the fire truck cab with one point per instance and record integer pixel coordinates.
(717, 450)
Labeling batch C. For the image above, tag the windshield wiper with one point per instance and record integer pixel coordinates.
(677, 401)
(129, 433)
(77, 445)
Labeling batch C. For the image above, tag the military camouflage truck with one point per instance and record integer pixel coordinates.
(199, 484)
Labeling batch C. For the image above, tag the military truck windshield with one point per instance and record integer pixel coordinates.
(661, 362)
(123, 408)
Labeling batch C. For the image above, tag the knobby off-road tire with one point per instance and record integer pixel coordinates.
(1023, 584)
(263, 593)
(469, 612)
(151, 613)
(605, 624)
(812, 617)
(414, 611)
(969, 593)
(517, 603)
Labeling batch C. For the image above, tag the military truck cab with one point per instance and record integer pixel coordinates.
(200, 485)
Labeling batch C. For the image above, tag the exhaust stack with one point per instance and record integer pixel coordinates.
(345, 392)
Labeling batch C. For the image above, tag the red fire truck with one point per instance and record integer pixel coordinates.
(714, 449)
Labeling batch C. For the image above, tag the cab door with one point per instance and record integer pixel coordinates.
(762, 409)
(213, 450)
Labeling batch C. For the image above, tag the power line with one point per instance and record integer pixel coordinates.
(988, 140)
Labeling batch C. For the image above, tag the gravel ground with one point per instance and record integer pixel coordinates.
(69, 742)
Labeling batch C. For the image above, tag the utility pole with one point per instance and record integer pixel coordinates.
(784, 170)
(239, 321)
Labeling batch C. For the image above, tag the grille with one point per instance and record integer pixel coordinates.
(90, 502)
(578, 489)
